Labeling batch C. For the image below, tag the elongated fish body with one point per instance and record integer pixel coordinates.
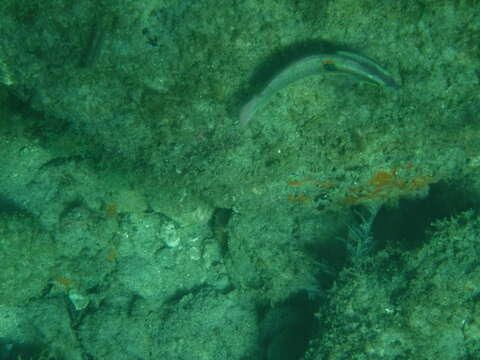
(341, 62)
(296, 71)
(363, 68)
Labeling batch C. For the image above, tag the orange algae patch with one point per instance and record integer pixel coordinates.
(67, 283)
(381, 177)
(385, 185)
(295, 183)
(111, 210)
(309, 183)
(297, 198)
(311, 186)
(112, 254)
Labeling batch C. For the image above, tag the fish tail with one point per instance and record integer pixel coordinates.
(247, 111)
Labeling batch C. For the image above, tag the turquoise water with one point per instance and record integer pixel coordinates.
(139, 220)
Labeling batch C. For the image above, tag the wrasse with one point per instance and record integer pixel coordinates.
(341, 62)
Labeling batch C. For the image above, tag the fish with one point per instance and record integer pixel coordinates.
(340, 62)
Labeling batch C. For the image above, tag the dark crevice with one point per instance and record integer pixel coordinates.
(286, 328)
(406, 226)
